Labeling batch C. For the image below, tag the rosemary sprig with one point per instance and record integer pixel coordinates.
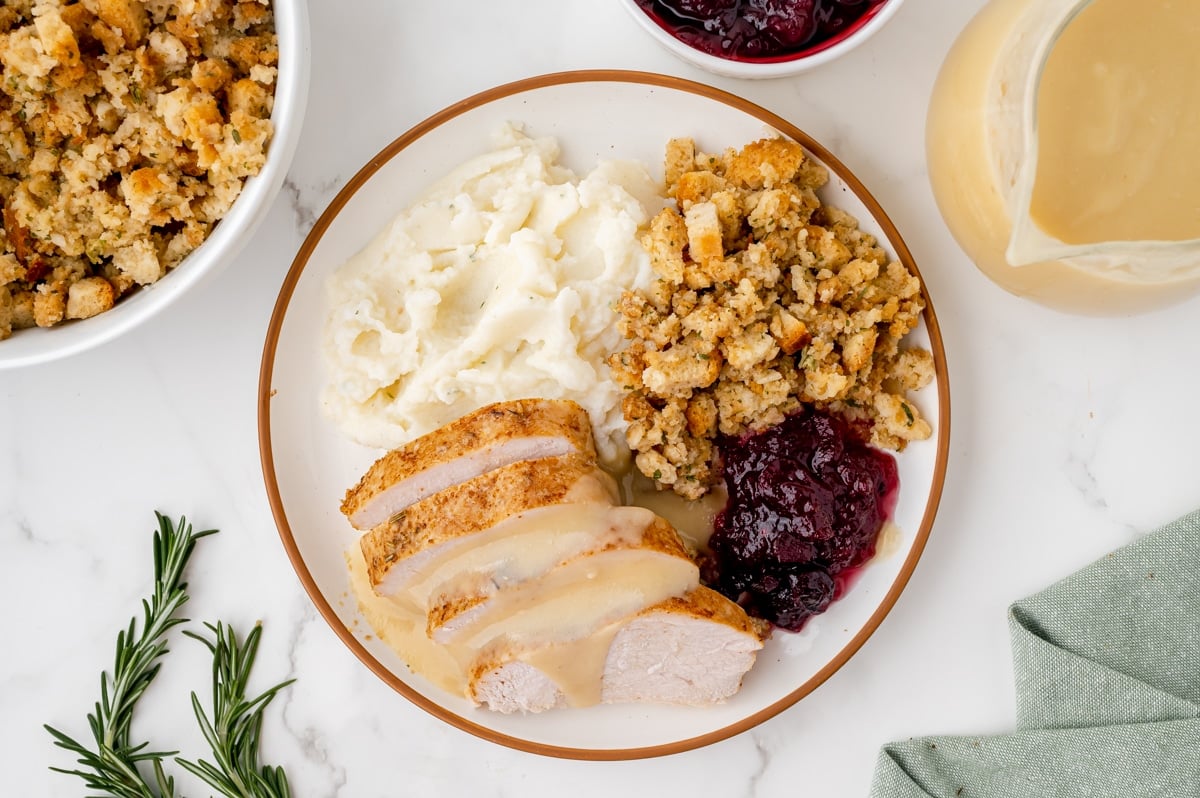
(112, 766)
(234, 731)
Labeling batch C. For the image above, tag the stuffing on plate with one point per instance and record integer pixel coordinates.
(765, 299)
(127, 129)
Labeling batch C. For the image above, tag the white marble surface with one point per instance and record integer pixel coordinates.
(1070, 436)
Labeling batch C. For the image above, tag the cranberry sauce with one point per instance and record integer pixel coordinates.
(807, 499)
(746, 30)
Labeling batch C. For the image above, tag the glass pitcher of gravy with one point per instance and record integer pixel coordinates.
(1063, 142)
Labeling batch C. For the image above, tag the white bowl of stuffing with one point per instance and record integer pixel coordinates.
(140, 146)
(758, 39)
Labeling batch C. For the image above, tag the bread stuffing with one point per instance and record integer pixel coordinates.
(127, 130)
(765, 299)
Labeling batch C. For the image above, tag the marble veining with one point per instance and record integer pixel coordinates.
(764, 761)
(307, 203)
(1070, 437)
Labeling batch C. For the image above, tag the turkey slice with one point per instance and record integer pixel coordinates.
(489, 438)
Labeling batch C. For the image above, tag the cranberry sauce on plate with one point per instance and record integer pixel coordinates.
(747, 30)
(807, 499)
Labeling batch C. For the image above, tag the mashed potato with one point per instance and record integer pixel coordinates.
(499, 284)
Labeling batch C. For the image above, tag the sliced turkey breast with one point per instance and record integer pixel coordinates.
(575, 598)
(401, 548)
(524, 547)
(489, 438)
(692, 650)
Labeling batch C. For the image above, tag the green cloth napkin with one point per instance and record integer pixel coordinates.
(1107, 669)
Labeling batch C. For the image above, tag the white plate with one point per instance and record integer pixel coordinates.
(308, 466)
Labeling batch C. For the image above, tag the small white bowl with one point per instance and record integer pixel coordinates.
(776, 67)
(32, 346)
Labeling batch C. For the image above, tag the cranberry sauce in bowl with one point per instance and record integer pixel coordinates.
(807, 499)
(760, 30)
